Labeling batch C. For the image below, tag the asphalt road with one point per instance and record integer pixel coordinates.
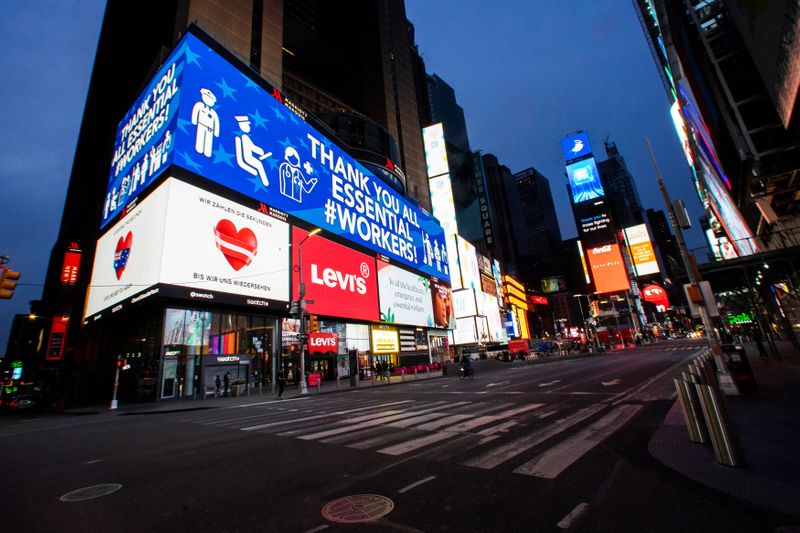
(516, 448)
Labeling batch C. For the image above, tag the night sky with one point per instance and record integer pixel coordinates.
(526, 75)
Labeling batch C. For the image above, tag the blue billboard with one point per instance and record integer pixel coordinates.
(229, 129)
(584, 181)
(576, 146)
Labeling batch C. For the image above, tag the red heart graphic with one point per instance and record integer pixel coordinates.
(122, 253)
(238, 247)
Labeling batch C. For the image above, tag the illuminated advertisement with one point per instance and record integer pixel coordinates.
(593, 221)
(656, 295)
(498, 278)
(720, 246)
(442, 203)
(319, 342)
(196, 245)
(576, 146)
(488, 285)
(539, 300)
(468, 262)
(443, 314)
(584, 181)
(464, 303)
(187, 327)
(608, 269)
(227, 128)
(583, 263)
(466, 331)
(453, 262)
(215, 244)
(435, 150)
(127, 258)
(487, 306)
(339, 281)
(405, 297)
(641, 250)
(69, 268)
(553, 284)
(385, 341)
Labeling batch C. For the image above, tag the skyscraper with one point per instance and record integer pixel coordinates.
(620, 188)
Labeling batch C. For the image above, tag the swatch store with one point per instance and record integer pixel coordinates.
(207, 234)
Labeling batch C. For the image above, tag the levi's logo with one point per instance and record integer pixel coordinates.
(330, 277)
(322, 342)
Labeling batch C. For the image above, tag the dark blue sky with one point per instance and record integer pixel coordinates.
(526, 74)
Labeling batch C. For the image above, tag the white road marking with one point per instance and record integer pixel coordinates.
(611, 383)
(497, 384)
(558, 458)
(269, 402)
(324, 415)
(430, 426)
(483, 420)
(550, 383)
(415, 444)
(566, 522)
(416, 484)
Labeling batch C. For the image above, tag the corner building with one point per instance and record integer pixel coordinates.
(212, 177)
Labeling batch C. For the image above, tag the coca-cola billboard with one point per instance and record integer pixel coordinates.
(339, 281)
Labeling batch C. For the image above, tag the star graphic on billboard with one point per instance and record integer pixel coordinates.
(301, 142)
(279, 115)
(190, 163)
(257, 185)
(258, 119)
(248, 83)
(285, 143)
(220, 155)
(227, 90)
(182, 125)
(191, 57)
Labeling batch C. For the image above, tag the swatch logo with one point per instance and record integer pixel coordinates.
(122, 253)
(238, 247)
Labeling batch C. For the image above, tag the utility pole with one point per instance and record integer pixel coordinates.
(711, 335)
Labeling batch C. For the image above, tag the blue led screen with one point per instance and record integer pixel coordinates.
(576, 146)
(232, 131)
(584, 181)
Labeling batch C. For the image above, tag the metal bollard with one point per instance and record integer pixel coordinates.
(415, 373)
(338, 383)
(692, 415)
(715, 413)
(403, 374)
(319, 384)
(428, 369)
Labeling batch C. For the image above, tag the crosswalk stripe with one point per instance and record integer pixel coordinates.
(323, 415)
(558, 458)
(415, 444)
(501, 454)
(466, 426)
(395, 415)
(378, 440)
(416, 420)
(430, 426)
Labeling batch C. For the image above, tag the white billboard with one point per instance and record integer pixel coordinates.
(465, 332)
(641, 250)
(442, 203)
(487, 306)
(464, 303)
(435, 150)
(183, 236)
(405, 297)
(127, 259)
(468, 262)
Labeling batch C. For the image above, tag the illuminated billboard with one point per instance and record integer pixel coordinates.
(435, 150)
(593, 221)
(219, 124)
(385, 341)
(444, 208)
(641, 250)
(195, 245)
(584, 181)
(576, 146)
(443, 316)
(608, 269)
(468, 262)
(339, 281)
(405, 297)
(464, 303)
(656, 295)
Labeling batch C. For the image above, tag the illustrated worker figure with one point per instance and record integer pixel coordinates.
(207, 122)
(248, 154)
(293, 181)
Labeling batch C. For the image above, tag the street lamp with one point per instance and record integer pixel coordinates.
(301, 293)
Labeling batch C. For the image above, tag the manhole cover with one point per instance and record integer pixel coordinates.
(358, 508)
(88, 493)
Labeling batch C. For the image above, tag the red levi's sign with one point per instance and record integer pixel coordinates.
(322, 342)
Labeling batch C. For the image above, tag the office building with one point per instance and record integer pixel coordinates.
(620, 188)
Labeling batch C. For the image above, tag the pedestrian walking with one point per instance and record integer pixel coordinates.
(226, 381)
(759, 340)
(217, 386)
(281, 383)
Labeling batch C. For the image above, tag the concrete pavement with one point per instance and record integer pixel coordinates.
(767, 427)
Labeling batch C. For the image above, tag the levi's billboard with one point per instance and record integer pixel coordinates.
(228, 128)
(323, 342)
(340, 282)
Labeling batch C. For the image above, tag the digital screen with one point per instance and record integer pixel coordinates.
(576, 146)
(435, 150)
(584, 181)
(593, 221)
(444, 208)
(608, 269)
(443, 315)
(405, 297)
(466, 331)
(230, 130)
(468, 261)
(339, 281)
(385, 341)
(464, 303)
(641, 250)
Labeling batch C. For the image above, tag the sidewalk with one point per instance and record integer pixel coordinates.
(767, 427)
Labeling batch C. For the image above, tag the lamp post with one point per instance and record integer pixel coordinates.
(301, 294)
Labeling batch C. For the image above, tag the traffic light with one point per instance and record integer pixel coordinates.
(313, 324)
(595, 310)
(8, 281)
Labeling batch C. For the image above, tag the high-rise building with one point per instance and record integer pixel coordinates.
(364, 102)
(464, 179)
(732, 75)
(541, 243)
(621, 192)
(505, 211)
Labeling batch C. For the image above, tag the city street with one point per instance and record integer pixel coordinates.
(523, 447)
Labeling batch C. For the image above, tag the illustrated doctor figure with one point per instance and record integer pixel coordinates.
(293, 181)
(207, 122)
(248, 154)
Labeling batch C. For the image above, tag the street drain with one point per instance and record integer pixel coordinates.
(357, 509)
(89, 493)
